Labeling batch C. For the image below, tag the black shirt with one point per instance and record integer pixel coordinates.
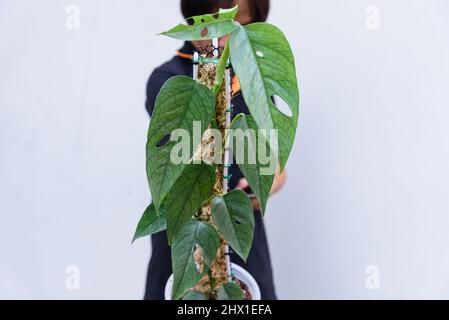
(159, 269)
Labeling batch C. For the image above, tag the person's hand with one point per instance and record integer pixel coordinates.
(278, 183)
(243, 184)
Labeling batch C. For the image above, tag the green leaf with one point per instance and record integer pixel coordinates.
(206, 26)
(195, 295)
(260, 183)
(180, 102)
(185, 273)
(233, 215)
(263, 61)
(221, 68)
(150, 223)
(230, 291)
(193, 187)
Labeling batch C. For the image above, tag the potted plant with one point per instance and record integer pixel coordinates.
(192, 141)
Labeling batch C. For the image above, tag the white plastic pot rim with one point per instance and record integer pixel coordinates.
(238, 272)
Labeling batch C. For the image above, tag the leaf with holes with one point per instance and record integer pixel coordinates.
(263, 61)
(150, 223)
(230, 291)
(267, 163)
(180, 102)
(233, 215)
(185, 271)
(193, 187)
(206, 26)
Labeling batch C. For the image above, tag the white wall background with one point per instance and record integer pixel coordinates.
(368, 179)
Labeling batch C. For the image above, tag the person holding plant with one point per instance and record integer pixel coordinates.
(258, 263)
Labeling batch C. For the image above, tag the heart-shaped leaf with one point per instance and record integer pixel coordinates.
(233, 215)
(206, 26)
(150, 223)
(185, 271)
(263, 61)
(230, 291)
(193, 187)
(260, 183)
(180, 102)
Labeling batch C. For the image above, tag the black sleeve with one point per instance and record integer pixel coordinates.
(157, 79)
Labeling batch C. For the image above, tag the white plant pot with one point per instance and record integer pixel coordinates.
(238, 272)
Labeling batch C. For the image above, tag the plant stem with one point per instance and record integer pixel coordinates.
(226, 136)
(221, 68)
(212, 281)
